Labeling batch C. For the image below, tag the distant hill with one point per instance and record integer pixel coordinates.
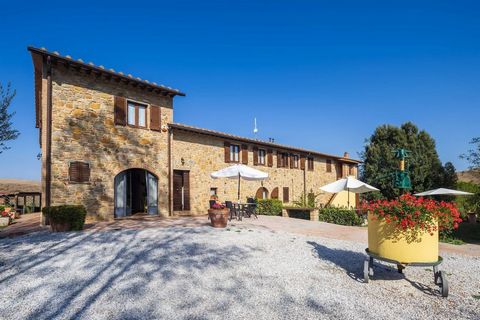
(469, 176)
(17, 185)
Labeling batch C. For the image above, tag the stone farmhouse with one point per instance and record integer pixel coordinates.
(109, 142)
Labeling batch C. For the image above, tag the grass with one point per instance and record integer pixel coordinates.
(466, 233)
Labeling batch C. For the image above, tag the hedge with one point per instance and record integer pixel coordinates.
(342, 216)
(73, 215)
(270, 207)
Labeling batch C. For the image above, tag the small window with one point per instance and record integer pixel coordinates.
(213, 191)
(79, 172)
(351, 170)
(310, 163)
(137, 114)
(329, 165)
(295, 161)
(261, 156)
(234, 153)
(282, 160)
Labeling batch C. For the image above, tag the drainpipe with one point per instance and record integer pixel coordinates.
(48, 155)
(170, 184)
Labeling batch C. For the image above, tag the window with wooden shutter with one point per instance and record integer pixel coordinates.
(255, 156)
(310, 163)
(261, 157)
(227, 151)
(302, 162)
(155, 118)
(270, 157)
(286, 196)
(244, 154)
(79, 172)
(274, 194)
(120, 111)
(294, 161)
(329, 165)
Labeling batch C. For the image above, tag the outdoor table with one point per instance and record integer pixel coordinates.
(240, 209)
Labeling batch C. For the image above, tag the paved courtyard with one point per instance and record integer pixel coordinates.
(246, 271)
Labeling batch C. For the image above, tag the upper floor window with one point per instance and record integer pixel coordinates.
(329, 165)
(234, 153)
(282, 159)
(261, 156)
(310, 163)
(295, 161)
(351, 170)
(137, 114)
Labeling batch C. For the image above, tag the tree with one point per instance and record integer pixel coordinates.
(425, 168)
(473, 155)
(7, 133)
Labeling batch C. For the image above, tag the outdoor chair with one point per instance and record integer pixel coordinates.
(252, 208)
(229, 205)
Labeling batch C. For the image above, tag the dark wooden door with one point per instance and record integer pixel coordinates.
(181, 190)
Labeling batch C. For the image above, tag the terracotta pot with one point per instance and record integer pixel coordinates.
(218, 217)
(59, 227)
(472, 218)
(405, 246)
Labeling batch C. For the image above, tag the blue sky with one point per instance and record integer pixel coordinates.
(315, 74)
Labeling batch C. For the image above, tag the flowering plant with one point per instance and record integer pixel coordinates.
(218, 205)
(418, 214)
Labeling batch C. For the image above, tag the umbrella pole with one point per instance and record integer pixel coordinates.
(239, 187)
(348, 198)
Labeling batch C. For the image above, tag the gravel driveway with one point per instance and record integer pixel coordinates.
(206, 273)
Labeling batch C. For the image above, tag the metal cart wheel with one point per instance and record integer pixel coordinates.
(366, 270)
(443, 283)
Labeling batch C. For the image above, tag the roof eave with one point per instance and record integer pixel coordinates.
(111, 73)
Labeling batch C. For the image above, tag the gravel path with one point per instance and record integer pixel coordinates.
(206, 273)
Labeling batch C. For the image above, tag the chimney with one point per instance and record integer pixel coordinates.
(346, 155)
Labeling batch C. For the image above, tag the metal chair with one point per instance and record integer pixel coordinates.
(229, 205)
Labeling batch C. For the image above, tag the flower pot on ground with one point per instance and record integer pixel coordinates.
(4, 221)
(66, 217)
(218, 215)
(406, 230)
(472, 217)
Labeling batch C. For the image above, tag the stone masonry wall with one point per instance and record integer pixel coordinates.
(83, 130)
(203, 154)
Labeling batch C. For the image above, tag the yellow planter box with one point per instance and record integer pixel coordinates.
(407, 246)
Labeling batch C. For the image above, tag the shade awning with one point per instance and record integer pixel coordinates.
(245, 172)
(443, 191)
(348, 184)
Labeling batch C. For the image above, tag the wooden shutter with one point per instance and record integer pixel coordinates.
(255, 156)
(291, 161)
(329, 165)
(79, 171)
(279, 160)
(186, 190)
(302, 162)
(120, 111)
(155, 118)
(270, 157)
(274, 194)
(310, 163)
(286, 197)
(244, 154)
(227, 151)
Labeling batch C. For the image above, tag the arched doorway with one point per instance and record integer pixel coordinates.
(136, 191)
(262, 193)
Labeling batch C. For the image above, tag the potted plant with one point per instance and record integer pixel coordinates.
(4, 217)
(218, 215)
(406, 229)
(65, 217)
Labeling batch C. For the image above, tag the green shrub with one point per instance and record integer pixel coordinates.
(270, 207)
(70, 214)
(299, 214)
(341, 216)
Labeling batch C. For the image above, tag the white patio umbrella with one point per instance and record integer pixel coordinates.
(240, 171)
(443, 191)
(349, 184)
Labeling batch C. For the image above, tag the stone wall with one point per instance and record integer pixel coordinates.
(202, 154)
(83, 130)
